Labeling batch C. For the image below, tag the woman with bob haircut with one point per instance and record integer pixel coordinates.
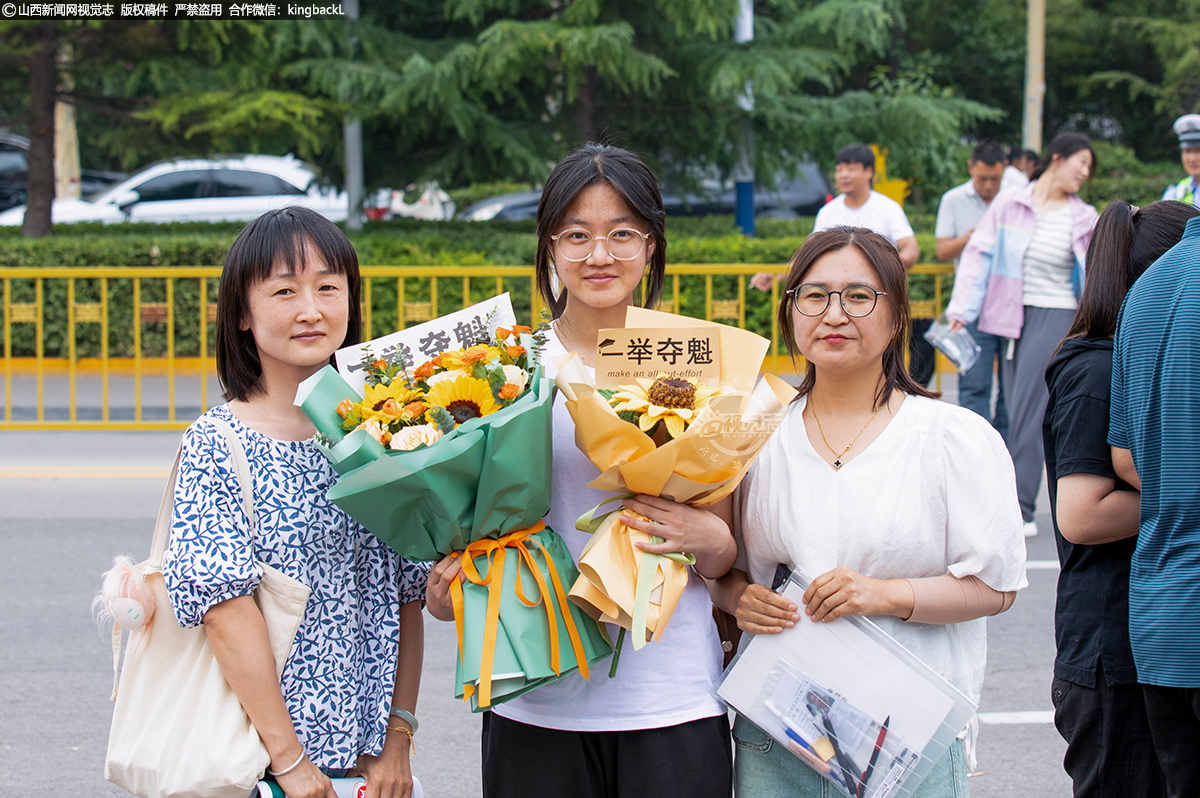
(901, 506)
(1099, 707)
(1021, 275)
(288, 299)
(656, 728)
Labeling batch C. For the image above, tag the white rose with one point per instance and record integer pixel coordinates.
(443, 375)
(409, 438)
(515, 375)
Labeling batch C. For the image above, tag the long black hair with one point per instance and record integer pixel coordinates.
(1126, 241)
(636, 185)
(1063, 147)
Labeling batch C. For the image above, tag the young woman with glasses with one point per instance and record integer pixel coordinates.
(1098, 705)
(656, 728)
(901, 507)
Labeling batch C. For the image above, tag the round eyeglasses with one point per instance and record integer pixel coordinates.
(857, 300)
(624, 243)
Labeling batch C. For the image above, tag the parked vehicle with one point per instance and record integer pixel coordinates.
(14, 173)
(237, 188)
(432, 203)
(802, 195)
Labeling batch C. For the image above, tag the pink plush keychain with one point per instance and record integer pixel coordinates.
(129, 601)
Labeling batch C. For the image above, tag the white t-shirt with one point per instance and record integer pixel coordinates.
(934, 493)
(879, 213)
(1050, 261)
(666, 683)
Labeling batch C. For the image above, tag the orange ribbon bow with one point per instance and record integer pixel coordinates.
(494, 550)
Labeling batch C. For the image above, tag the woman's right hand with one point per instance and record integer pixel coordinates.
(956, 325)
(762, 611)
(306, 781)
(437, 589)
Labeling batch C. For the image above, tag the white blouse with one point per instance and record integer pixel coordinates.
(933, 494)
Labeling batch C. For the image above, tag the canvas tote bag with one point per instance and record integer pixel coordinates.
(178, 730)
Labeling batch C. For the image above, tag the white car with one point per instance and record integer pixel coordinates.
(234, 189)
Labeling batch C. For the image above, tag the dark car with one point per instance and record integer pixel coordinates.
(14, 173)
(802, 195)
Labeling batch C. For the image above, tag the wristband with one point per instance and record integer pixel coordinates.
(404, 715)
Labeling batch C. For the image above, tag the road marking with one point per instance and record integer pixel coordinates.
(1041, 565)
(82, 472)
(1016, 718)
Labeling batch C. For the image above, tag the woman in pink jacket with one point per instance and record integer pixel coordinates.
(1021, 275)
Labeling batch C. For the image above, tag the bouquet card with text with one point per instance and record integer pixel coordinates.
(848, 700)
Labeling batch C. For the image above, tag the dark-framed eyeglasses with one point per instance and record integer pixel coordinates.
(812, 300)
(577, 244)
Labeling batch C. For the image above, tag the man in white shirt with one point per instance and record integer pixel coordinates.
(959, 212)
(1020, 164)
(860, 206)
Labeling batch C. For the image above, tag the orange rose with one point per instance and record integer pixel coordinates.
(502, 333)
(519, 328)
(344, 407)
(390, 409)
(380, 364)
(509, 391)
(424, 372)
(514, 351)
(476, 354)
(414, 409)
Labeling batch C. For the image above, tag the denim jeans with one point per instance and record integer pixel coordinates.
(975, 387)
(764, 769)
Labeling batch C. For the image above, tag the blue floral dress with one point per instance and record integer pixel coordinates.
(338, 680)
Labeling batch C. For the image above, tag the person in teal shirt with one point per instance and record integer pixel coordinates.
(1187, 127)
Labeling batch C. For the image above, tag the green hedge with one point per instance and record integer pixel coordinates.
(401, 242)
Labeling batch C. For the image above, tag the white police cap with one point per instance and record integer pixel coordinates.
(1187, 127)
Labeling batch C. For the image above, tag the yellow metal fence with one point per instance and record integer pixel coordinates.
(132, 347)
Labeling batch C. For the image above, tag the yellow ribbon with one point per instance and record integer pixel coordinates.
(494, 550)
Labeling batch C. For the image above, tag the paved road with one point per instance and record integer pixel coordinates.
(70, 501)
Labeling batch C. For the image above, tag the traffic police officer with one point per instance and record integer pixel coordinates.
(1187, 127)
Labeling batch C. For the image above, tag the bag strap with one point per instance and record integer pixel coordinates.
(166, 508)
(241, 470)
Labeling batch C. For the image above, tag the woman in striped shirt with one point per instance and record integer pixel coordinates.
(1021, 275)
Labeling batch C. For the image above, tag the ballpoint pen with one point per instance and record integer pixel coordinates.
(883, 730)
(844, 761)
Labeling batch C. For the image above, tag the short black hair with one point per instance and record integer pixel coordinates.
(637, 186)
(856, 153)
(987, 152)
(279, 236)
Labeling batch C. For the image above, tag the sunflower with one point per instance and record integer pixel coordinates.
(386, 402)
(463, 398)
(674, 400)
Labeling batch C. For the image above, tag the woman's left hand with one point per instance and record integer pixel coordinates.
(682, 527)
(842, 591)
(388, 775)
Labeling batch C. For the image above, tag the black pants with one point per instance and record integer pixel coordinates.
(1110, 753)
(922, 357)
(692, 759)
(1174, 714)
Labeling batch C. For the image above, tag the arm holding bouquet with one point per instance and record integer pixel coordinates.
(702, 532)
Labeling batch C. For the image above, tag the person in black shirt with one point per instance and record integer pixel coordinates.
(1098, 705)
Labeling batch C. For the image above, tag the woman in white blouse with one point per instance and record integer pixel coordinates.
(1021, 275)
(901, 507)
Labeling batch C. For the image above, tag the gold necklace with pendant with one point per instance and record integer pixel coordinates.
(837, 456)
